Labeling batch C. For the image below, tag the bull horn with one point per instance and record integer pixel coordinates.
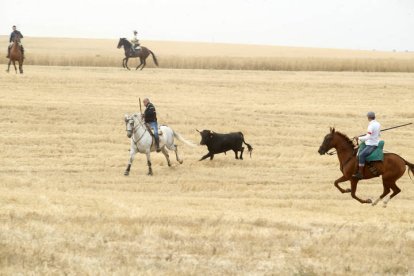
(198, 131)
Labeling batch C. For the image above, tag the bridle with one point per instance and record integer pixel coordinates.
(134, 129)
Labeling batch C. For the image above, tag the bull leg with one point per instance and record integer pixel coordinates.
(241, 153)
(354, 183)
(149, 162)
(165, 152)
(235, 152)
(131, 159)
(209, 154)
(339, 180)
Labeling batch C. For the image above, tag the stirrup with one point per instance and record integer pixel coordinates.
(358, 175)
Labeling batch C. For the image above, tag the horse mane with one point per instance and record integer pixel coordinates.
(346, 138)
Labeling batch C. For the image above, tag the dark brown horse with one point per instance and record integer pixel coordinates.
(16, 55)
(142, 54)
(391, 169)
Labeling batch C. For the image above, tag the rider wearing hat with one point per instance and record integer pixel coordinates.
(135, 42)
(14, 34)
(371, 140)
(150, 117)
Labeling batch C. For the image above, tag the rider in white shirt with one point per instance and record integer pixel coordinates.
(371, 140)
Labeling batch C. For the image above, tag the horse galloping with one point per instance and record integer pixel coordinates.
(142, 141)
(16, 55)
(391, 169)
(142, 54)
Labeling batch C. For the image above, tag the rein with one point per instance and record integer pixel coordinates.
(133, 133)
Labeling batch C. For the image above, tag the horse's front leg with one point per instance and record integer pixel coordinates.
(354, 183)
(123, 62)
(15, 68)
(339, 180)
(126, 63)
(149, 162)
(131, 159)
(8, 67)
(21, 67)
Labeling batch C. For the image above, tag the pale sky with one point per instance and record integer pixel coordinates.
(352, 24)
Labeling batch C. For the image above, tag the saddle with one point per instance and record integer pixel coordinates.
(151, 130)
(376, 155)
(374, 160)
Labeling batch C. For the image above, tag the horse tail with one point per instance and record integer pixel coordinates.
(182, 139)
(153, 57)
(410, 167)
(249, 147)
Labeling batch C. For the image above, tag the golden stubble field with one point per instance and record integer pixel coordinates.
(193, 55)
(66, 208)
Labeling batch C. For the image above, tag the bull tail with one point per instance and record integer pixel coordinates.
(182, 139)
(410, 167)
(153, 57)
(249, 147)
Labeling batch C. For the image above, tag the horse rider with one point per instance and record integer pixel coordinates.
(14, 34)
(371, 140)
(135, 43)
(150, 116)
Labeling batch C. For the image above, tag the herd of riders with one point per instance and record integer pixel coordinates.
(17, 34)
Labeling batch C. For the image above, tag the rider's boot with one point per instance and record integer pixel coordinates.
(157, 143)
(360, 173)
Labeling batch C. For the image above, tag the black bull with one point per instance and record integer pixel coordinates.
(218, 143)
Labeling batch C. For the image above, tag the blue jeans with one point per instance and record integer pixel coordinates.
(154, 125)
(365, 153)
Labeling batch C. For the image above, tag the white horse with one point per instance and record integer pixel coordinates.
(143, 142)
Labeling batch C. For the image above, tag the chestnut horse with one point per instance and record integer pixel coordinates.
(142, 54)
(391, 169)
(16, 55)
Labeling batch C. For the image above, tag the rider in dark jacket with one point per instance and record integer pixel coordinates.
(150, 117)
(14, 34)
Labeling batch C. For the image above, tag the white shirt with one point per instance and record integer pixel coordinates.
(373, 134)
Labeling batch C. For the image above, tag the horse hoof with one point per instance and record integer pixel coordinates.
(181, 161)
(126, 173)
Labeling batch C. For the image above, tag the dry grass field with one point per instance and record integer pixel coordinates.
(186, 55)
(66, 208)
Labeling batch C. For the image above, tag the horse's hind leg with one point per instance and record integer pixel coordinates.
(15, 68)
(385, 192)
(149, 162)
(167, 156)
(179, 160)
(21, 68)
(143, 65)
(395, 191)
(8, 67)
(140, 60)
